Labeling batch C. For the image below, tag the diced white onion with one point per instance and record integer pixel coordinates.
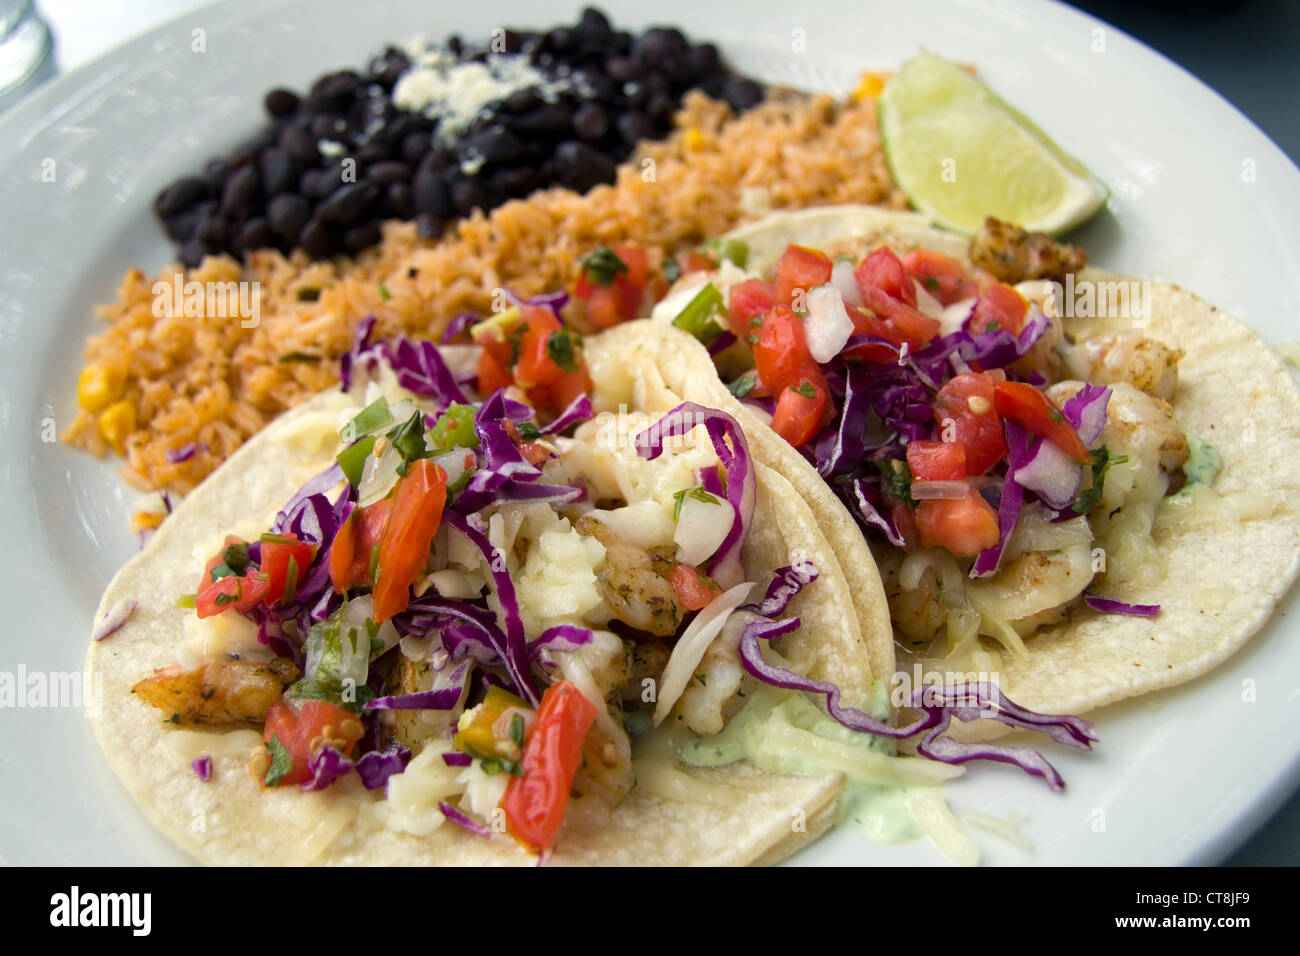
(926, 490)
(926, 303)
(379, 476)
(842, 279)
(701, 529)
(827, 326)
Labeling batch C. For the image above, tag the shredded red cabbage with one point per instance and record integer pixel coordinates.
(1013, 496)
(1086, 411)
(202, 767)
(459, 325)
(561, 637)
(377, 766)
(578, 410)
(463, 821)
(326, 765)
(553, 301)
(185, 452)
(1111, 606)
(515, 652)
(786, 583)
(444, 699)
(457, 758)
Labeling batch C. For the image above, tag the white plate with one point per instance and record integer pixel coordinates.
(1201, 198)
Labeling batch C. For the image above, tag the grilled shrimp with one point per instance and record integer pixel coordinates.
(635, 582)
(712, 688)
(606, 770)
(1034, 590)
(1131, 358)
(1013, 255)
(224, 692)
(412, 728)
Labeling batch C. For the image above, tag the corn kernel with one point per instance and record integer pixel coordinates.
(694, 139)
(98, 387)
(869, 86)
(117, 422)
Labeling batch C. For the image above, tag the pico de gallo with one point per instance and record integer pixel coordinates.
(1004, 473)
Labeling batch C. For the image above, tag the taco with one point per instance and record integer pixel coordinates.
(420, 625)
(1079, 484)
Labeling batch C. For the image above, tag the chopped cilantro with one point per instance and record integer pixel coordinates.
(383, 292)
(528, 431)
(1102, 459)
(603, 265)
(517, 730)
(698, 493)
(308, 293)
(743, 385)
(805, 388)
(281, 761)
(562, 349)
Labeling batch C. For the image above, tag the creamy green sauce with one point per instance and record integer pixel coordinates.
(754, 734)
(1203, 462)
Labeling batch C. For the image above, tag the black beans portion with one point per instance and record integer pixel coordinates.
(332, 163)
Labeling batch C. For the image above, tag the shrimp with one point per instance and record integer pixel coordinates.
(1012, 255)
(606, 769)
(636, 582)
(1131, 358)
(921, 588)
(1037, 589)
(412, 728)
(228, 691)
(714, 686)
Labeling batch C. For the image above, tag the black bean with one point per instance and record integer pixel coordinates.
(620, 42)
(455, 44)
(373, 153)
(415, 146)
(657, 44)
(288, 214)
(387, 68)
(192, 252)
(300, 144)
(182, 193)
(212, 227)
(429, 192)
(281, 102)
(634, 127)
(317, 240)
(514, 181)
(240, 190)
(623, 69)
(280, 171)
(580, 167)
(704, 59)
(362, 237)
(401, 200)
(254, 234)
(329, 126)
(387, 172)
(182, 225)
(743, 93)
(495, 144)
(214, 174)
(559, 40)
(551, 118)
(334, 89)
(430, 226)
(396, 130)
(661, 109)
(521, 101)
(591, 122)
(318, 183)
(346, 204)
(635, 95)
(468, 195)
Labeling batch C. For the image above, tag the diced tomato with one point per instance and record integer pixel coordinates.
(219, 595)
(904, 519)
(787, 369)
(217, 559)
(746, 301)
(781, 353)
(534, 802)
(349, 561)
(967, 400)
(965, 526)
(694, 588)
(1033, 411)
(800, 268)
(561, 394)
(631, 284)
(943, 276)
(297, 732)
(883, 272)
(285, 563)
(936, 460)
(418, 501)
(534, 452)
(1001, 304)
(865, 323)
(492, 372)
(535, 365)
(692, 260)
(602, 307)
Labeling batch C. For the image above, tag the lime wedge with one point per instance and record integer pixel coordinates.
(961, 153)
